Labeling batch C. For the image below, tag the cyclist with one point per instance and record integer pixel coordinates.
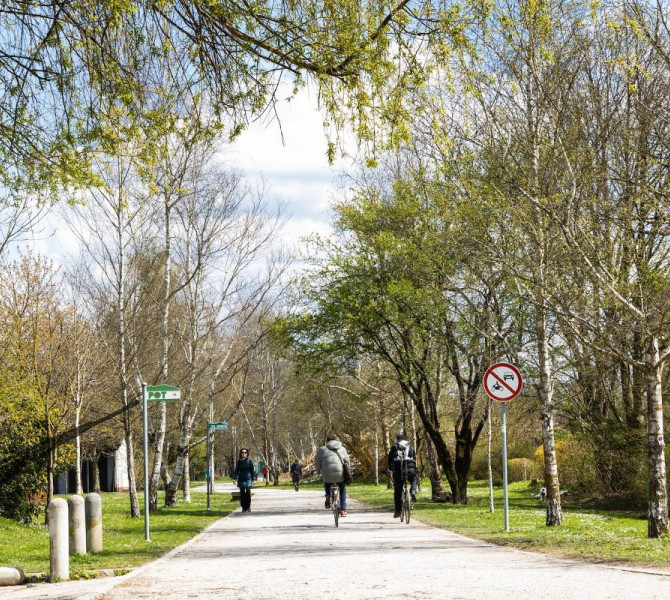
(296, 472)
(402, 452)
(329, 462)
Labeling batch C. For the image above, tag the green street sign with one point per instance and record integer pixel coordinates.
(222, 426)
(163, 393)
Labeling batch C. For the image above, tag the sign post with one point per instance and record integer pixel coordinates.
(152, 393)
(220, 426)
(145, 444)
(503, 383)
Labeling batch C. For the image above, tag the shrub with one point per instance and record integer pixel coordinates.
(522, 469)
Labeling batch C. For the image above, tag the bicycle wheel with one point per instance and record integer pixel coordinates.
(295, 485)
(407, 504)
(336, 512)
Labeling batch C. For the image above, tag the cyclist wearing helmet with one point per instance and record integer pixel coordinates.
(402, 452)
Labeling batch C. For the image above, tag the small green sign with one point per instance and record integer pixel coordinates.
(163, 393)
(222, 426)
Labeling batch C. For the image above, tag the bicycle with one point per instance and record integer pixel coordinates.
(335, 502)
(296, 482)
(406, 506)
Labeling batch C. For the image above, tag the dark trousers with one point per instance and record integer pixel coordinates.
(245, 498)
(398, 487)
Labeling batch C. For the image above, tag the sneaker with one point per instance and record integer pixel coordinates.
(396, 515)
(412, 495)
(343, 513)
(327, 503)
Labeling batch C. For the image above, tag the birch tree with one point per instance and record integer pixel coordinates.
(109, 228)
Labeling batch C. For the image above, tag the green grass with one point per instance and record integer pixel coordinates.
(604, 536)
(124, 547)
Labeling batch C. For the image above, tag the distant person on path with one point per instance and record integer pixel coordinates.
(244, 477)
(266, 474)
(401, 456)
(329, 462)
(296, 473)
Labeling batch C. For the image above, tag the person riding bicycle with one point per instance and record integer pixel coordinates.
(296, 471)
(402, 457)
(329, 462)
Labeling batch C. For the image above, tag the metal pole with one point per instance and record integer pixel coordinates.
(146, 462)
(504, 461)
(209, 475)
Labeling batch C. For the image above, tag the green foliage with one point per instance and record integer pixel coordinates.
(109, 73)
(22, 496)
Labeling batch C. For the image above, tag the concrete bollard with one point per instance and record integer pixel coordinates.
(11, 576)
(59, 557)
(93, 505)
(77, 523)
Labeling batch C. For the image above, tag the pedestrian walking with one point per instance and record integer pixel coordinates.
(244, 477)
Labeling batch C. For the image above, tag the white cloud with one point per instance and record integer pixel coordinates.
(294, 166)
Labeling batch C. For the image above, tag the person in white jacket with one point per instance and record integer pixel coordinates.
(329, 462)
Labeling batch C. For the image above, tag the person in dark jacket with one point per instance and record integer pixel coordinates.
(244, 477)
(296, 472)
(402, 456)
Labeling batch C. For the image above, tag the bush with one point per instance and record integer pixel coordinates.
(575, 462)
(22, 435)
(522, 469)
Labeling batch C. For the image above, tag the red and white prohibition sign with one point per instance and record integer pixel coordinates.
(502, 382)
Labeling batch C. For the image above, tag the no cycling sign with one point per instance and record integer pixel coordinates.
(502, 382)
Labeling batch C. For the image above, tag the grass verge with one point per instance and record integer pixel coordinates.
(124, 547)
(602, 536)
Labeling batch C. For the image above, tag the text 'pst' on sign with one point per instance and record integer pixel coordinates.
(163, 393)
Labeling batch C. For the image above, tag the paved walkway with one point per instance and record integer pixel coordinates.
(287, 547)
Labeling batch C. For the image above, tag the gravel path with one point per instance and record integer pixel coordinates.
(288, 547)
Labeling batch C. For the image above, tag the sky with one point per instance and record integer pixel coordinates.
(295, 168)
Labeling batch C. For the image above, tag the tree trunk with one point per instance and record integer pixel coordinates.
(657, 518)
(96, 474)
(186, 496)
(77, 466)
(437, 493)
(545, 389)
(376, 455)
(130, 463)
(123, 374)
(172, 483)
(387, 449)
(51, 463)
(159, 439)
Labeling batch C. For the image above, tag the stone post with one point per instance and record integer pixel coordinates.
(11, 576)
(77, 531)
(93, 505)
(59, 557)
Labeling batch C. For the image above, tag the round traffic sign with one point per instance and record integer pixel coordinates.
(502, 382)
